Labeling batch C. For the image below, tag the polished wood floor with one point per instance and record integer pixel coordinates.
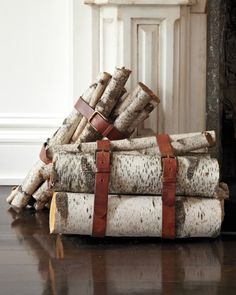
(34, 262)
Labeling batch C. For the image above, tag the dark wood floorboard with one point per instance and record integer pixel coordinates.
(34, 262)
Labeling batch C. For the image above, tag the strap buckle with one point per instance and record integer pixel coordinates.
(92, 116)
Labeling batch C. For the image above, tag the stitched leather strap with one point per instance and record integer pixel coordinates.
(169, 166)
(101, 188)
(99, 122)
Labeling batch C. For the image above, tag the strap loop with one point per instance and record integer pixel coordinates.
(102, 176)
(99, 122)
(169, 166)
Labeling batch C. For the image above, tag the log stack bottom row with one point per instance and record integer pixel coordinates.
(72, 213)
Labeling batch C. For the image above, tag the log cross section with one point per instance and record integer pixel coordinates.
(101, 188)
(169, 166)
(99, 122)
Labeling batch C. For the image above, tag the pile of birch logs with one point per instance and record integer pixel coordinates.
(134, 203)
(64, 182)
(106, 95)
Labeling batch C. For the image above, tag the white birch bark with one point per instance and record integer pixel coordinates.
(118, 108)
(107, 102)
(42, 195)
(144, 114)
(24, 192)
(20, 197)
(46, 171)
(101, 86)
(72, 213)
(181, 144)
(64, 133)
(12, 194)
(139, 98)
(135, 174)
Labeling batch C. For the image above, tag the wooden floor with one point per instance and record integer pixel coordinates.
(34, 262)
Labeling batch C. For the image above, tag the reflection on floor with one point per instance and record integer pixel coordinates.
(34, 262)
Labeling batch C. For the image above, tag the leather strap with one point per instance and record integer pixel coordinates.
(169, 166)
(43, 155)
(99, 122)
(101, 188)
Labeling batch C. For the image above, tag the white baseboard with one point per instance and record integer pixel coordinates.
(11, 181)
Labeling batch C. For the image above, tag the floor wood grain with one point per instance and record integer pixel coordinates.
(34, 262)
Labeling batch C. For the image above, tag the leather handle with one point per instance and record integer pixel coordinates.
(169, 166)
(102, 177)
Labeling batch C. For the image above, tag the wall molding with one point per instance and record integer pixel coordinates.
(27, 128)
(22, 120)
(22, 134)
(21, 137)
(142, 2)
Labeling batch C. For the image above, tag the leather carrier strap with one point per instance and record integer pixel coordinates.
(102, 177)
(99, 122)
(169, 166)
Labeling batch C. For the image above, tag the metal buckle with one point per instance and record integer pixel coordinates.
(92, 116)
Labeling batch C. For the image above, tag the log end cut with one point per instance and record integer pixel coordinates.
(149, 92)
(59, 206)
(10, 198)
(52, 214)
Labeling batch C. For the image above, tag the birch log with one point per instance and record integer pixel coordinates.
(101, 86)
(181, 144)
(72, 213)
(139, 98)
(126, 97)
(12, 194)
(20, 197)
(105, 105)
(144, 114)
(64, 133)
(107, 102)
(135, 174)
(42, 195)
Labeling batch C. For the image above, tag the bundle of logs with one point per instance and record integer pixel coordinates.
(65, 177)
(135, 188)
(111, 106)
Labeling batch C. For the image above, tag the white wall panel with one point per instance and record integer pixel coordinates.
(35, 42)
(36, 79)
(148, 63)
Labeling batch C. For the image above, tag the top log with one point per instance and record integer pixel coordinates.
(181, 144)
